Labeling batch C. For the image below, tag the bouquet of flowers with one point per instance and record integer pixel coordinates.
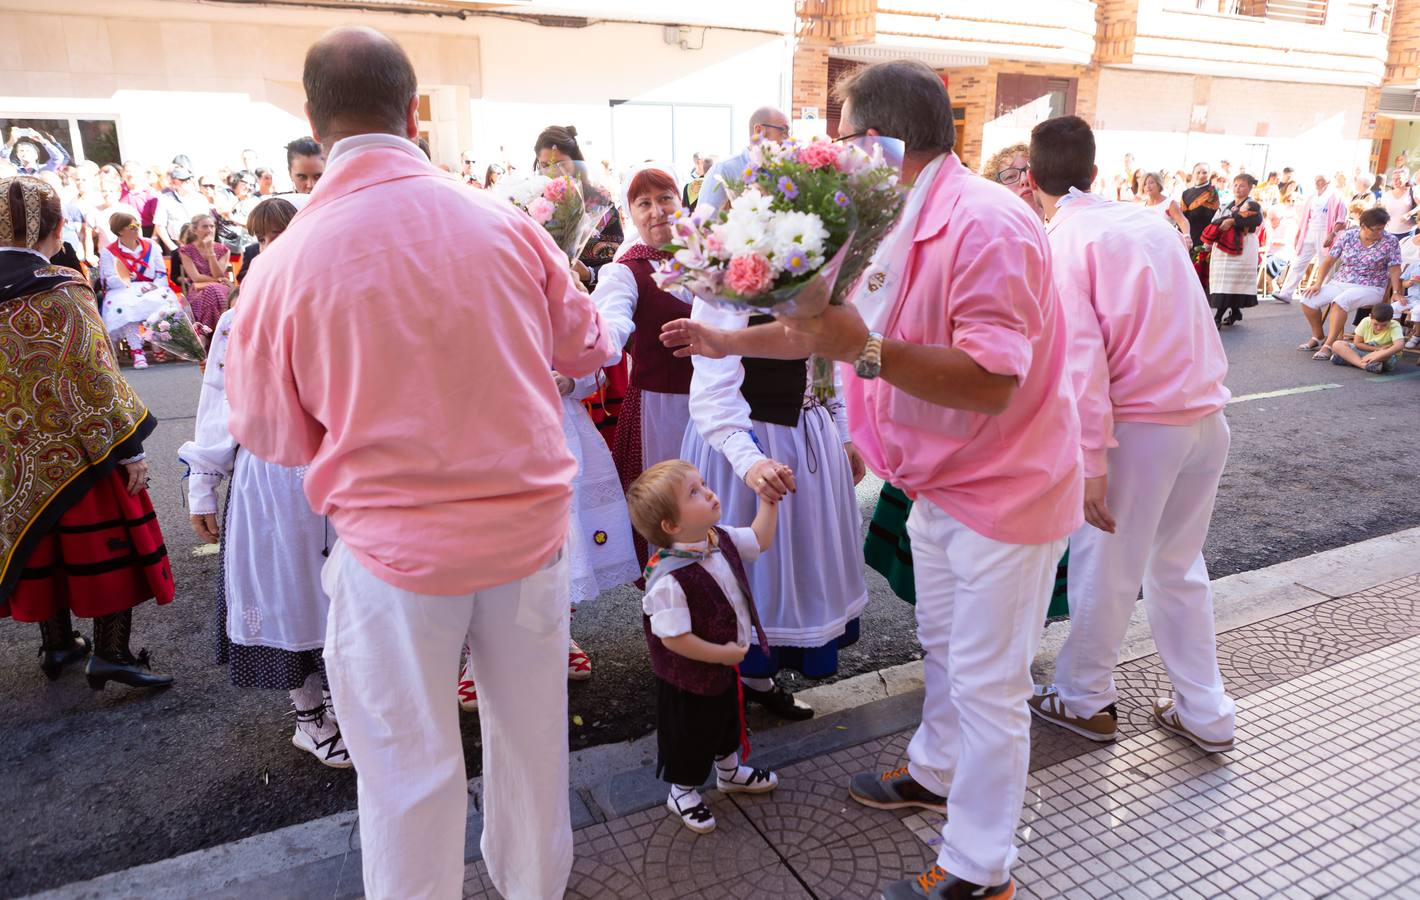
(171, 330)
(796, 233)
(562, 199)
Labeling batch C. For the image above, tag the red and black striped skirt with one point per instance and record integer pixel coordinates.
(105, 555)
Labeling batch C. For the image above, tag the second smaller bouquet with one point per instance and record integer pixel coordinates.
(563, 199)
(172, 330)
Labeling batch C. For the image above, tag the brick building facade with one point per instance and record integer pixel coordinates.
(1169, 81)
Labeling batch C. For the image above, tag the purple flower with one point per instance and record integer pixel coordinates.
(797, 263)
(788, 188)
(840, 198)
(751, 174)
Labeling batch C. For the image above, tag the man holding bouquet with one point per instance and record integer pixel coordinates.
(958, 394)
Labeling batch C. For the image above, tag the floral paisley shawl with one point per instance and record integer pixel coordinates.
(66, 414)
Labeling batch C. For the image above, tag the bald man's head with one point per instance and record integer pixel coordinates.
(358, 81)
(768, 123)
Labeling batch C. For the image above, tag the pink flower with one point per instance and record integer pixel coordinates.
(713, 243)
(818, 155)
(749, 275)
(541, 210)
(556, 190)
(164, 326)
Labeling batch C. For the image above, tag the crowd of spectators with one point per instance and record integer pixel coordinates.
(1345, 245)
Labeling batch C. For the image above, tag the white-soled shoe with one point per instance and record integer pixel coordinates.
(748, 781)
(693, 812)
(318, 734)
(1166, 717)
(468, 691)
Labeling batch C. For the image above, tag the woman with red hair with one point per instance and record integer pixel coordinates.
(656, 409)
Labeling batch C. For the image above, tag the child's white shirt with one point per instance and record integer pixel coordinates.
(665, 602)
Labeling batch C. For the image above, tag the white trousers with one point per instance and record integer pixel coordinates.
(392, 658)
(1162, 482)
(1305, 254)
(980, 613)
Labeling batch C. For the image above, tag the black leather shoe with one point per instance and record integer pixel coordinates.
(780, 702)
(52, 662)
(134, 671)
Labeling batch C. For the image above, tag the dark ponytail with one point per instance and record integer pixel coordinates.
(562, 138)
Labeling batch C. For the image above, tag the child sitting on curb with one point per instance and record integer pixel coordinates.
(699, 617)
(1377, 345)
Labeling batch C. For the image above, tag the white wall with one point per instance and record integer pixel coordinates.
(1312, 128)
(535, 77)
(210, 80)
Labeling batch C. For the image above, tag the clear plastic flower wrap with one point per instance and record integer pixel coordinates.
(172, 330)
(797, 230)
(563, 199)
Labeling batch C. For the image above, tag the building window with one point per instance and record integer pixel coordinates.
(1025, 100)
(670, 132)
(837, 68)
(94, 140)
(1368, 15)
(1302, 12)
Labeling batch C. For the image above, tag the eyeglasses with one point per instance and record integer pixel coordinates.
(208, 186)
(845, 138)
(1012, 175)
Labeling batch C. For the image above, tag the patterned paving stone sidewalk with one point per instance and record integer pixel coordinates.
(1321, 798)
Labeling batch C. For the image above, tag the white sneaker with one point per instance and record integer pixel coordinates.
(318, 734)
(139, 360)
(468, 691)
(693, 812)
(1413, 343)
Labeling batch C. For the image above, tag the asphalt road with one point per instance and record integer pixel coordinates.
(94, 782)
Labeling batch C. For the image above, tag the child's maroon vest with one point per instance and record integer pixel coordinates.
(712, 619)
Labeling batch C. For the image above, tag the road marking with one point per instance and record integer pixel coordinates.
(1382, 378)
(1305, 389)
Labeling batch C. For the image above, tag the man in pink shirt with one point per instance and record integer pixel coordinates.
(1148, 366)
(409, 368)
(957, 393)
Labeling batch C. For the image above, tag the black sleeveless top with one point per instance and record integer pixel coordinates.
(774, 388)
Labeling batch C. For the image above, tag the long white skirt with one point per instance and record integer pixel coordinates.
(600, 549)
(125, 306)
(809, 585)
(274, 553)
(665, 421)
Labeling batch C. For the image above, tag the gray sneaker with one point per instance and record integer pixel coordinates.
(894, 790)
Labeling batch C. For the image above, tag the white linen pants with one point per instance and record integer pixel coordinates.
(1311, 245)
(392, 658)
(1162, 483)
(980, 613)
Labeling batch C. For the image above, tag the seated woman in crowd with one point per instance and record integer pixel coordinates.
(135, 284)
(1366, 260)
(207, 264)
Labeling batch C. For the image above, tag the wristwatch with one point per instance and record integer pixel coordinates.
(870, 362)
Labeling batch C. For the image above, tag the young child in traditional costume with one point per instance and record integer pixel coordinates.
(601, 555)
(272, 611)
(699, 618)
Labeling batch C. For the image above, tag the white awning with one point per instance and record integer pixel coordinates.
(907, 48)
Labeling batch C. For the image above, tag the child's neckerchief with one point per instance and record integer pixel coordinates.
(668, 559)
